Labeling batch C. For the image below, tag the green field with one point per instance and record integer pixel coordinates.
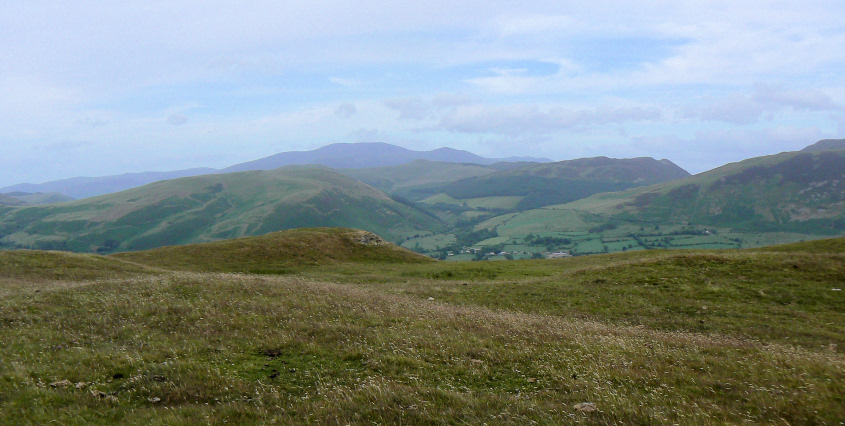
(429, 243)
(337, 326)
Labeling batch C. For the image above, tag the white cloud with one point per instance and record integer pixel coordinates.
(533, 24)
(177, 119)
(508, 81)
(737, 109)
(345, 110)
(799, 99)
(762, 101)
(368, 135)
(345, 82)
(410, 108)
(531, 119)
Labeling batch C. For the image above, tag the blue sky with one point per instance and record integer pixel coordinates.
(93, 88)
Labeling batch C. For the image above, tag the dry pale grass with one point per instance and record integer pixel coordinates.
(210, 347)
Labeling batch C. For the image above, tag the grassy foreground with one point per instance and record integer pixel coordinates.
(698, 337)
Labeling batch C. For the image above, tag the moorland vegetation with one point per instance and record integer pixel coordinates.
(350, 329)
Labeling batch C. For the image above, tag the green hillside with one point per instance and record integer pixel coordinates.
(789, 192)
(657, 337)
(35, 198)
(761, 201)
(640, 170)
(561, 182)
(6, 200)
(826, 145)
(416, 174)
(584, 206)
(210, 207)
(474, 206)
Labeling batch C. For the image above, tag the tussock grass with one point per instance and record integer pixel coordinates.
(765, 295)
(499, 342)
(34, 271)
(59, 265)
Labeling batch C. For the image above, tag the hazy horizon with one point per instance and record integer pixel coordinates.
(94, 89)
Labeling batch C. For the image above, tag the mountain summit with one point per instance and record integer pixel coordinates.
(826, 145)
(365, 155)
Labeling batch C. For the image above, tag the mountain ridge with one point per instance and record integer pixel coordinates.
(826, 145)
(363, 155)
(562, 181)
(344, 155)
(84, 187)
(790, 190)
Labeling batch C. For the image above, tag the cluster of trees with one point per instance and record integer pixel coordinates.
(601, 228)
(546, 241)
(467, 237)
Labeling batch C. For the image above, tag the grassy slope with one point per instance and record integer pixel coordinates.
(790, 191)
(419, 173)
(767, 200)
(652, 337)
(42, 198)
(6, 200)
(278, 252)
(564, 181)
(212, 207)
(642, 169)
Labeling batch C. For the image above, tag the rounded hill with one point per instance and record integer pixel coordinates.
(278, 252)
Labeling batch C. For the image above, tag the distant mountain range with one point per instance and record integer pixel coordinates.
(588, 205)
(366, 155)
(83, 187)
(235, 204)
(338, 156)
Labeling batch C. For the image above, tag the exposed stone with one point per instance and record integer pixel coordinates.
(61, 384)
(585, 407)
(370, 239)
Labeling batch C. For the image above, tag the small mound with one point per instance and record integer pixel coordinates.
(278, 252)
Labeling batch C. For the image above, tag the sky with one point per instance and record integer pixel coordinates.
(94, 88)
